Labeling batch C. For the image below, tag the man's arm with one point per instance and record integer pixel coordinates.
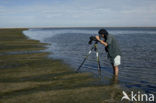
(101, 41)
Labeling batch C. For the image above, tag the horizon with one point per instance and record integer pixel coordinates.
(79, 27)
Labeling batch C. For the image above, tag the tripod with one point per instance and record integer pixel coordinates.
(97, 55)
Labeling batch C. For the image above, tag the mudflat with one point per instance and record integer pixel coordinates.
(28, 76)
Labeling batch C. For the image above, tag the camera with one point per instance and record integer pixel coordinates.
(92, 38)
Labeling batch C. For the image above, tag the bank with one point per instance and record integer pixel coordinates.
(28, 76)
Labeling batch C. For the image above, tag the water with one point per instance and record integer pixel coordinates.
(138, 46)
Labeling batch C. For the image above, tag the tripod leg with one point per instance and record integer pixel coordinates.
(98, 60)
(85, 59)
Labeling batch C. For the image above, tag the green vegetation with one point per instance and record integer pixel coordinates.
(34, 78)
(12, 40)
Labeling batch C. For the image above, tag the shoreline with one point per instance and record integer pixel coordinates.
(35, 78)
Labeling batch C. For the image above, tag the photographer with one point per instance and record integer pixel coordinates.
(111, 47)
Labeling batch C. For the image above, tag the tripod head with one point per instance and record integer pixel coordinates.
(92, 38)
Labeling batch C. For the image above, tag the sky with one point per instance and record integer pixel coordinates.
(77, 13)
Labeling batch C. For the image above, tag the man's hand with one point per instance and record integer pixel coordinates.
(101, 41)
(98, 38)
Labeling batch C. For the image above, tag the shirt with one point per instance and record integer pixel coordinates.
(112, 47)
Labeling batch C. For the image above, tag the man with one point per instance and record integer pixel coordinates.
(112, 49)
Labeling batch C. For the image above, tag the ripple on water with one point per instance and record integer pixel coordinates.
(138, 46)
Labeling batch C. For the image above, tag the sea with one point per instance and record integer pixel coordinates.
(137, 44)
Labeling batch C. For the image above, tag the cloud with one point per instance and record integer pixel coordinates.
(79, 13)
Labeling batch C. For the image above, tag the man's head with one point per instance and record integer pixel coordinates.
(103, 33)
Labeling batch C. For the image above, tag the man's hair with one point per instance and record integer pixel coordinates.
(103, 31)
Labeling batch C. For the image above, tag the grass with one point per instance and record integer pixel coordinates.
(34, 78)
(12, 40)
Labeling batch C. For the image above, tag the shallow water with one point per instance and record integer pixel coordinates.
(138, 46)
